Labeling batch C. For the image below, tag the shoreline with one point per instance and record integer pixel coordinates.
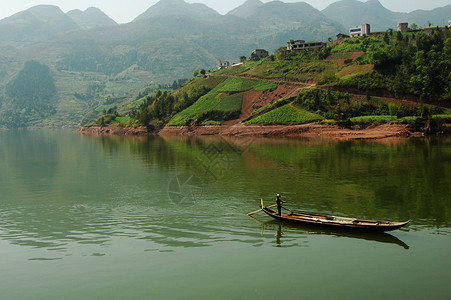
(388, 130)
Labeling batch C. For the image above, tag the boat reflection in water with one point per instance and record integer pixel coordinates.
(283, 227)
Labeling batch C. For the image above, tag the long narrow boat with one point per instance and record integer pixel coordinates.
(332, 221)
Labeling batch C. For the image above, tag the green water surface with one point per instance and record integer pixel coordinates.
(100, 217)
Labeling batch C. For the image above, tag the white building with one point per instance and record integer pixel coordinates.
(361, 30)
(223, 64)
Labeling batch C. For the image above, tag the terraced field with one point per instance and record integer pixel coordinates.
(286, 114)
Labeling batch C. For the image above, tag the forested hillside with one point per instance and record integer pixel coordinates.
(29, 97)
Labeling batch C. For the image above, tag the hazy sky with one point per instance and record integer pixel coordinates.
(123, 11)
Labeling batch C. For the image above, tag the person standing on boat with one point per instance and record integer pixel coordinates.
(279, 204)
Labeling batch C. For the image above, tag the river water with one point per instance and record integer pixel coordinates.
(92, 217)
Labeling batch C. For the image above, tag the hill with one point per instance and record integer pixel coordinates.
(122, 59)
(376, 79)
(37, 23)
(353, 12)
(246, 9)
(91, 18)
(166, 8)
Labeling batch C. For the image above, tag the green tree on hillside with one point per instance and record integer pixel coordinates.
(419, 65)
(196, 73)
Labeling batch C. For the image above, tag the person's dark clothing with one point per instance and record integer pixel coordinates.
(279, 205)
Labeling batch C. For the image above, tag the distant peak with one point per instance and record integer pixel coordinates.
(172, 1)
(179, 7)
(374, 3)
(92, 8)
(45, 8)
(246, 8)
(253, 2)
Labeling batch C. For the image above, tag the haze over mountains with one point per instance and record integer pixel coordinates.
(45, 21)
(167, 42)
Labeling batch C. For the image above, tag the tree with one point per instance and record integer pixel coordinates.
(254, 56)
(195, 73)
(414, 26)
(243, 58)
(386, 38)
(202, 72)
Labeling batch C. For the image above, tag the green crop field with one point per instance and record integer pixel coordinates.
(355, 69)
(204, 104)
(345, 55)
(123, 120)
(230, 103)
(237, 85)
(373, 119)
(285, 115)
(294, 70)
(209, 82)
(355, 45)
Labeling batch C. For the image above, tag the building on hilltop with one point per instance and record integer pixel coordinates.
(404, 27)
(301, 45)
(259, 53)
(356, 31)
(223, 64)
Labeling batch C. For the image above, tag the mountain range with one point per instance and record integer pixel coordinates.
(166, 42)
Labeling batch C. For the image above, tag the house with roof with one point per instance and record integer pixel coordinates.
(223, 64)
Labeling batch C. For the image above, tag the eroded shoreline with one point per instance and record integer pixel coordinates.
(242, 130)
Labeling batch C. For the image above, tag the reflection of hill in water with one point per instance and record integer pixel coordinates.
(392, 178)
(93, 190)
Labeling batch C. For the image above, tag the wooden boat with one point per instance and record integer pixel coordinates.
(332, 221)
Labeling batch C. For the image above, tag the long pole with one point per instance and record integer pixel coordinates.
(254, 212)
